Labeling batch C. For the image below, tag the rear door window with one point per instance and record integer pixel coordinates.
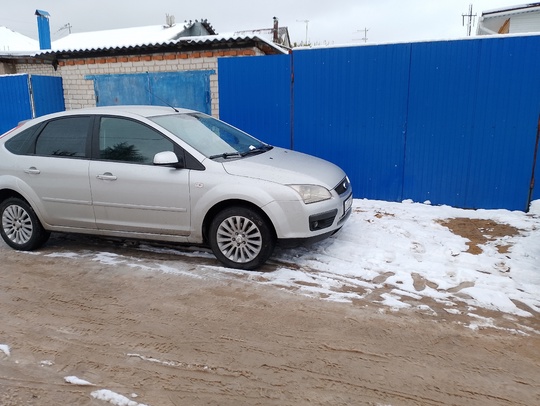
(64, 137)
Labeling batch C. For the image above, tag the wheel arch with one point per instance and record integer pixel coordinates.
(218, 207)
(7, 193)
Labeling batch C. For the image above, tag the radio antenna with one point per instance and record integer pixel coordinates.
(157, 97)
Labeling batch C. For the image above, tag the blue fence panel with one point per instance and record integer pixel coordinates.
(15, 104)
(179, 89)
(472, 122)
(350, 107)
(48, 94)
(452, 122)
(255, 96)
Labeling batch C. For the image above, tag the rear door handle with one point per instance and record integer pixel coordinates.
(106, 176)
(32, 171)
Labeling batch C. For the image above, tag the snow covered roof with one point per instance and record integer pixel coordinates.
(148, 39)
(126, 37)
(13, 42)
(155, 37)
(268, 34)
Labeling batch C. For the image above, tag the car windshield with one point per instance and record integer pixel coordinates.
(211, 137)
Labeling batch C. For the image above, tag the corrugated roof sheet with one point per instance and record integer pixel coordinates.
(117, 38)
(206, 40)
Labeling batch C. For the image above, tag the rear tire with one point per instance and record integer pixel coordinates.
(20, 227)
(241, 238)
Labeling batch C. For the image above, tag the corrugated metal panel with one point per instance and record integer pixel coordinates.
(189, 90)
(48, 94)
(472, 122)
(14, 101)
(350, 107)
(255, 96)
(451, 122)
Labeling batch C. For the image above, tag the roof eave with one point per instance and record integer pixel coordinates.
(182, 44)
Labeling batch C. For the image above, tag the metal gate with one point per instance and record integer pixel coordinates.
(27, 96)
(179, 89)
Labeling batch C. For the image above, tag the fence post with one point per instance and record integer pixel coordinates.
(531, 187)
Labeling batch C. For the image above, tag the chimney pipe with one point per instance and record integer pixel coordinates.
(276, 31)
(44, 30)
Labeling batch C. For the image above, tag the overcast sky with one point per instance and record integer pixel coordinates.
(330, 21)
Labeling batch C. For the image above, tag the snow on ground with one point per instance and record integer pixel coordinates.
(402, 247)
(394, 254)
(399, 244)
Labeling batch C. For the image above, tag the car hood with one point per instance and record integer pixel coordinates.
(284, 166)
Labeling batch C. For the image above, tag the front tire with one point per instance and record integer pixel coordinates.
(241, 238)
(20, 227)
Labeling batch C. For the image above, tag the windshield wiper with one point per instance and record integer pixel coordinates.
(258, 150)
(226, 155)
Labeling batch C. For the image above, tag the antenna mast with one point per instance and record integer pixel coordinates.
(307, 23)
(470, 20)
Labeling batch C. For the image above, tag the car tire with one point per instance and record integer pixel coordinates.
(241, 238)
(20, 227)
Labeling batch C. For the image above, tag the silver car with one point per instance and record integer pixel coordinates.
(161, 173)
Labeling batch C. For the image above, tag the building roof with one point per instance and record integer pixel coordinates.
(13, 42)
(523, 8)
(130, 37)
(197, 35)
(514, 19)
(268, 34)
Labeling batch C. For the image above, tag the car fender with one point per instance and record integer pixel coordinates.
(8, 182)
(260, 193)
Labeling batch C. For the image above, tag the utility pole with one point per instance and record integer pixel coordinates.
(365, 34)
(307, 23)
(470, 20)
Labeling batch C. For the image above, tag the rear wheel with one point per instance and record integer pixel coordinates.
(21, 228)
(241, 238)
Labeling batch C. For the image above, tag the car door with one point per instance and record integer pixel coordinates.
(53, 172)
(129, 193)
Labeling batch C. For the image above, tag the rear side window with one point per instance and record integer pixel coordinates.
(23, 143)
(64, 137)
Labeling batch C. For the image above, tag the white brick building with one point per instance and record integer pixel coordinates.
(79, 64)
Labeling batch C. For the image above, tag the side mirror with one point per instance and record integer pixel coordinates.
(166, 158)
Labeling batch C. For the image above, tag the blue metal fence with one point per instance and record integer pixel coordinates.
(26, 96)
(48, 94)
(15, 103)
(256, 93)
(453, 122)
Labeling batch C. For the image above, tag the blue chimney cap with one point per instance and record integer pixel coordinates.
(42, 13)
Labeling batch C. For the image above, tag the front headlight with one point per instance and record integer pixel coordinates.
(312, 193)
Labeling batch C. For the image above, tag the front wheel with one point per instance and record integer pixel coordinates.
(241, 238)
(21, 228)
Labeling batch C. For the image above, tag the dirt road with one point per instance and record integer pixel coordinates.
(164, 339)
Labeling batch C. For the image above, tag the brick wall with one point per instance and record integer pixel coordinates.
(79, 92)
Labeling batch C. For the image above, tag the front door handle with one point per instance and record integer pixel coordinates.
(32, 171)
(106, 176)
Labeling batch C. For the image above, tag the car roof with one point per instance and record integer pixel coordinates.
(140, 110)
(145, 111)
